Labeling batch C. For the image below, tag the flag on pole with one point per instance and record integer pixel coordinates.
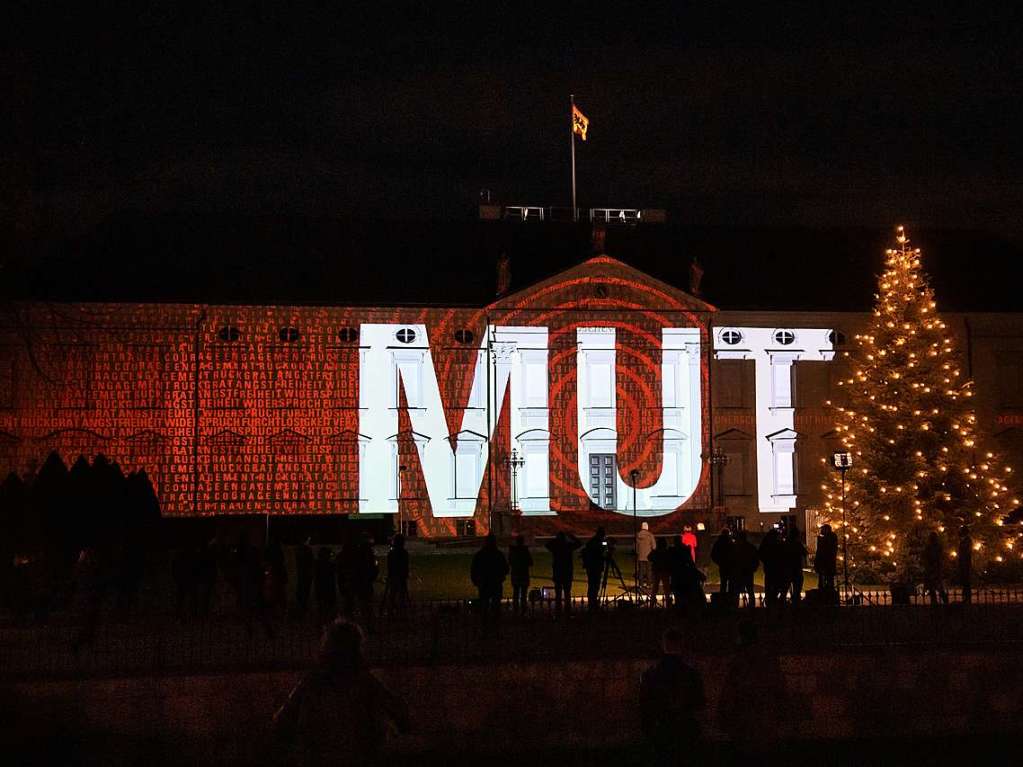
(580, 122)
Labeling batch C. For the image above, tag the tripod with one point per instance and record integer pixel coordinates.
(611, 568)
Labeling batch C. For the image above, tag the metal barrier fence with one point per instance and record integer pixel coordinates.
(453, 632)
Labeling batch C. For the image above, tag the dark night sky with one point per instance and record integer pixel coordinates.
(777, 118)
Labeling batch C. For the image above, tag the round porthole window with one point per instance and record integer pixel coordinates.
(228, 333)
(406, 335)
(348, 335)
(836, 337)
(731, 337)
(288, 334)
(464, 336)
(784, 337)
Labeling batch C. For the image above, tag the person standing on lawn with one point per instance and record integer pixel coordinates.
(520, 561)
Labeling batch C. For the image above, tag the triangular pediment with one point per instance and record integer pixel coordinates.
(603, 282)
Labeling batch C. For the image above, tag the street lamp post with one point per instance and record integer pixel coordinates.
(843, 462)
(634, 476)
(513, 463)
(718, 461)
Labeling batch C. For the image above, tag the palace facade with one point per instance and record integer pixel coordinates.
(593, 397)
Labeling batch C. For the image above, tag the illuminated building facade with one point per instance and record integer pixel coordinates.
(614, 389)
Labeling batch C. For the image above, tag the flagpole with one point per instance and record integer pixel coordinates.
(571, 131)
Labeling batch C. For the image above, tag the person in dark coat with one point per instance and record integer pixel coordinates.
(660, 565)
(933, 561)
(670, 696)
(686, 579)
(826, 559)
(324, 585)
(772, 555)
(398, 570)
(795, 561)
(488, 570)
(519, 561)
(964, 562)
(594, 555)
(562, 550)
(721, 555)
(746, 563)
(339, 712)
(304, 564)
(357, 571)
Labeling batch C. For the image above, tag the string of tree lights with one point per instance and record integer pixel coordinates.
(910, 423)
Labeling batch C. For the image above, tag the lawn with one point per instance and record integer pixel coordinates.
(440, 573)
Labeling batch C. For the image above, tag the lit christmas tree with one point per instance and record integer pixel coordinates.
(911, 430)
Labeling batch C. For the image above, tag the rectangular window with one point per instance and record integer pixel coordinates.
(536, 468)
(286, 387)
(535, 373)
(1010, 380)
(466, 471)
(74, 374)
(784, 474)
(345, 371)
(147, 367)
(810, 383)
(735, 472)
(669, 384)
(730, 383)
(226, 379)
(601, 389)
(408, 378)
(781, 385)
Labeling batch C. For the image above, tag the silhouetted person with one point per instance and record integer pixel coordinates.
(488, 570)
(660, 565)
(826, 559)
(933, 562)
(324, 585)
(746, 562)
(772, 555)
(645, 544)
(670, 695)
(304, 564)
(689, 539)
(562, 550)
(721, 555)
(356, 572)
(519, 562)
(795, 560)
(686, 579)
(396, 588)
(338, 712)
(964, 561)
(594, 558)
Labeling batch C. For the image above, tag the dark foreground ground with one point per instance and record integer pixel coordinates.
(889, 752)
